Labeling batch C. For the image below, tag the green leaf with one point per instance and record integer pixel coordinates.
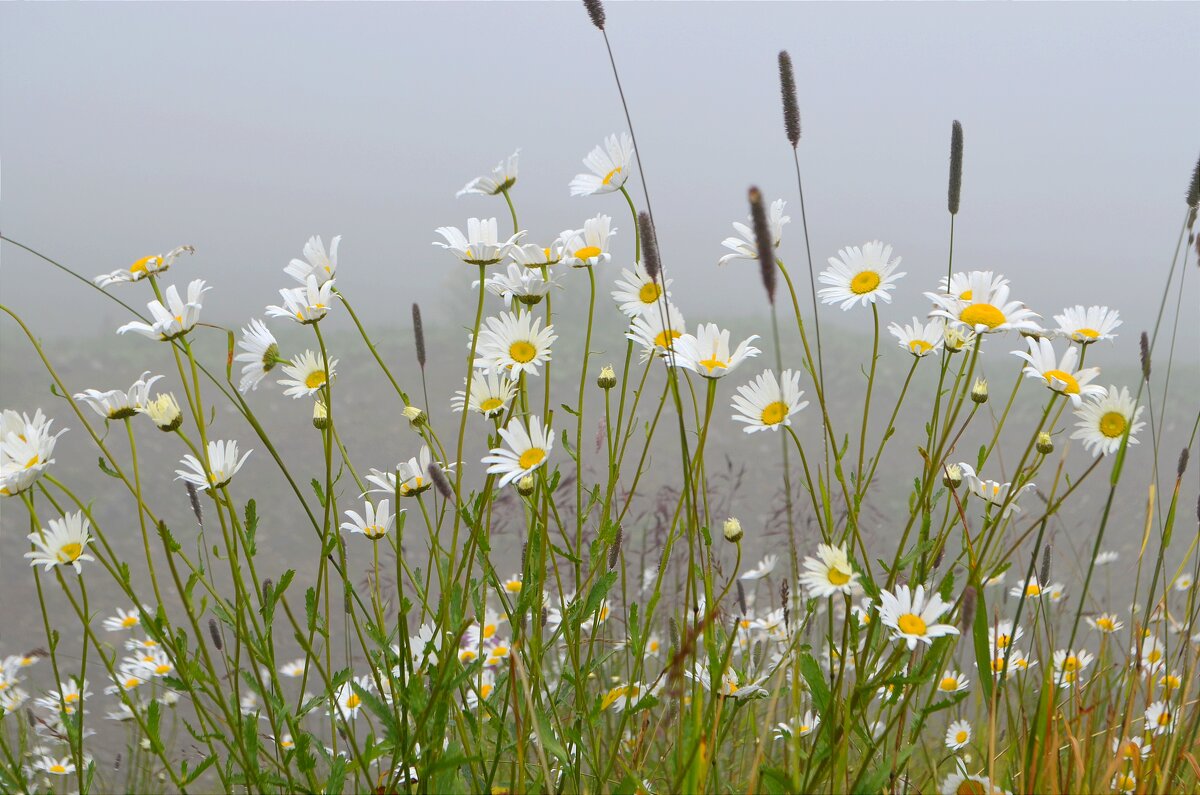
(817, 685)
(983, 652)
(104, 468)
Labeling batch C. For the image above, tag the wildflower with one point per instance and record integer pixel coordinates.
(829, 573)
(485, 630)
(732, 530)
(375, 522)
(767, 403)
(1060, 374)
(11, 700)
(146, 266)
(589, 246)
(920, 339)
(417, 418)
(320, 415)
(979, 391)
(316, 262)
(526, 485)
(307, 375)
(513, 584)
(806, 725)
(1159, 718)
(124, 619)
(952, 476)
(953, 682)
(518, 283)
(707, 353)
(486, 685)
(531, 255)
(1069, 664)
(1056, 591)
(658, 332)
(71, 695)
(992, 492)
(621, 697)
(958, 735)
(1105, 622)
(513, 344)
(730, 685)
(959, 783)
(118, 405)
(607, 378)
(413, 474)
(954, 340)
(637, 294)
(503, 177)
(746, 246)
(490, 394)
(294, 669)
(1087, 325)
(1044, 444)
(164, 412)
(307, 304)
(156, 663)
(983, 307)
(56, 767)
(347, 702)
(1107, 557)
(481, 245)
(1031, 589)
(912, 615)
(860, 274)
(1131, 749)
(528, 450)
(260, 352)
(1124, 782)
(1102, 421)
(223, 464)
(64, 543)
(26, 450)
(1183, 583)
(764, 567)
(1170, 683)
(959, 285)
(609, 167)
(995, 579)
(1002, 635)
(173, 320)
(1151, 656)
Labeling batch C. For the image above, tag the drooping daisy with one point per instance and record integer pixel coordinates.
(146, 266)
(123, 620)
(590, 246)
(621, 697)
(829, 573)
(374, 522)
(307, 304)
(656, 333)
(912, 615)
(527, 450)
(918, 338)
(1060, 374)
(223, 464)
(481, 245)
(745, 246)
(860, 274)
(1106, 623)
(1130, 749)
(768, 404)
(1160, 718)
(519, 283)
(983, 307)
(490, 394)
(316, 262)
(513, 344)
(173, 320)
(637, 294)
(707, 353)
(260, 352)
(26, 450)
(761, 569)
(306, 375)
(609, 166)
(118, 405)
(958, 735)
(1088, 324)
(62, 544)
(503, 177)
(953, 682)
(1102, 421)
(531, 255)
(993, 492)
(164, 412)
(347, 702)
(413, 474)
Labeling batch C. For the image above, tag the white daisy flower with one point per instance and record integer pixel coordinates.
(829, 573)
(26, 450)
(55, 767)
(1183, 583)
(531, 255)
(1106, 557)
(1002, 635)
(294, 669)
(1106, 623)
(918, 338)
(490, 394)
(589, 246)
(768, 404)
(1160, 718)
(413, 474)
(1124, 782)
(71, 695)
(1068, 665)
(993, 492)
(959, 783)
(485, 685)
(374, 523)
(519, 283)
(804, 726)
(860, 274)
(637, 294)
(124, 619)
(656, 333)
(316, 262)
(986, 309)
(306, 375)
(1088, 324)
(1152, 655)
(164, 412)
(513, 584)
(1030, 589)
(527, 450)
(912, 615)
(746, 246)
(513, 344)
(960, 285)
(503, 177)
(62, 544)
(1060, 374)
(223, 464)
(762, 569)
(118, 405)
(609, 166)
(260, 352)
(707, 353)
(156, 663)
(173, 320)
(146, 266)
(347, 703)
(953, 682)
(1130, 749)
(128, 678)
(958, 735)
(622, 697)
(481, 245)
(1102, 421)
(307, 304)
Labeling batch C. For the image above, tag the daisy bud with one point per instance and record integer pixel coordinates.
(607, 378)
(1045, 445)
(733, 530)
(954, 340)
(1144, 355)
(595, 10)
(525, 486)
(791, 110)
(650, 259)
(952, 476)
(320, 416)
(439, 481)
(164, 412)
(1193, 194)
(956, 155)
(419, 335)
(764, 242)
(415, 416)
(979, 392)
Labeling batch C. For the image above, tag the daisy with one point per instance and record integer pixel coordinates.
(1183, 583)
(490, 394)
(1002, 635)
(953, 682)
(1060, 374)
(1087, 325)
(478, 632)
(1124, 782)
(746, 246)
(589, 246)
(346, 702)
(992, 492)
(481, 245)
(70, 697)
(609, 166)
(375, 522)
(513, 344)
(156, 663)
(912, 615)
(985, 308)
(294, 669)
(12, 699)
(146, 266)
(307, 304)
(958, 735)
(503, 177)
(764, 567)
(657, 333)
(26, 450)
(531, 255)
(173, 320)
(1068, 665)
(1031, 589)
(528, 450)
(829, 573)
(485, 686)
(1152, 655)
(260, 352)
(860, 274)
(768, 404)
(124, 619)
(413, 474)
(164, 412)
(960, 783)
(1102, 421)
(63, 544)
(56, 767)
(223, 464)
(321, 265)
(1106, 623)
(1160, 719)
(920, 339)
(1130, 749)
(960, 285)
(118, 405)
(519, 283)
(621, 697)
(637, 294)
(307, 373)
(1107, 557)
(707, 353)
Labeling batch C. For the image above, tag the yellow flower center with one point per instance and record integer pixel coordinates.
(919, 347)
(965, 295)
(982, 315)
(1087, 333)
(911, 624)
(969, 787)
(774, 413)
(141, 266)
(1033, 589)
(864, 282)
(71, 698)
(666, 337)
(132, 682)
(162, 668)
(522, 351)
(649, 293)
(374, 531)
(838, 577)
(70, 552)
(1002, 641)
(949, 683)
(31, 463)
(1072, 386)
(1164, 717)
(1112, 424)
(353, 701)
(485, 689)
(1105, 623)
(608, 178)
(315, 379)
(1154, 656)
(57, 768)
(489, 630)
(587, 252)
(961, 737)
(129, 621)
(531, 457)
(1071, 663)
(491, 404)
(1171, 682)
(713, 363)
(513, 586)
(466, 656)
